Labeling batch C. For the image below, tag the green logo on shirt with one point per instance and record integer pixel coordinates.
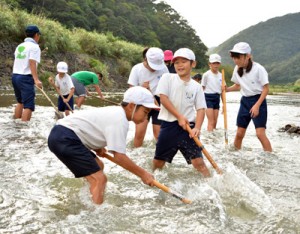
(21, 54)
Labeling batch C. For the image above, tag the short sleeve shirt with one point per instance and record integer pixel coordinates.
(65, 84)
(86, 77)
(212, 82)
(185, 96)
(28, 50)
(100, 127)
(251, 83)
(140, 74)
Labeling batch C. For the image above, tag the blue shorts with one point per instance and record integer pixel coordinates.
(62, 106)
(79, 88)
(24, 90)
(212, 100)
(172, 138)
(154, 114)
(66, 145)
(244, 116)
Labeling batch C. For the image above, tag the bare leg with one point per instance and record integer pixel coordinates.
(97, 183)
(200, 166)
(80, 100)
(18, 111)
(210, 119)
(140, 131)
(261, 134)
(240, 133)
(158, 164)
(216, 115)
(26, 116)
(156, 129)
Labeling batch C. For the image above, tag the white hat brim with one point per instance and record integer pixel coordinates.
(156, 67)
(151, 106)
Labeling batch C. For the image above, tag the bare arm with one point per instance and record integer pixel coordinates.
(255, 109)
(182, 121)
(234, 87)
(33, 69)
(97, 87)
(200, 114)
(128, 164)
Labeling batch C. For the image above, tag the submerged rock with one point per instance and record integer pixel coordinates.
(290, 128)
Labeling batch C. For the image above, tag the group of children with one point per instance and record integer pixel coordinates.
(173, 100)
(178, 101)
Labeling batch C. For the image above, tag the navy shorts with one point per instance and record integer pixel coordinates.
(79, 88)
(212, 100)
(154, 114)
(62, 106)
(172, 138)
(24, 90)
(66, 145)
(244, 116)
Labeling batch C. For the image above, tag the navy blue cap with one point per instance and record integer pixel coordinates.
(32, 29)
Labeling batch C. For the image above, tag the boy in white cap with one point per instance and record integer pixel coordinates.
(180, 95)
(251, 79)
(147, 75)
(64, 87)
(25, 76)
(212, 86)
(73, 138)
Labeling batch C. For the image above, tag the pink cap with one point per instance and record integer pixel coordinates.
(168, 55)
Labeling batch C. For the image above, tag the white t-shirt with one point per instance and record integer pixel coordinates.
(252, 82)
(100, 127)
(212, 82)
(140, 74)
(29, 49)
(185, 96)
(65, 84)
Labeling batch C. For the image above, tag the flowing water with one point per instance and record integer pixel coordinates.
(258, 192)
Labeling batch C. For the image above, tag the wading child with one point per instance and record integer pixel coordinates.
(252, 80)
(73, 138)
(64, 87)
(147, 75)
(180, 96)
(212, 86)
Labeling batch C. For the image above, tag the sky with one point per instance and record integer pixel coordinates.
(215, 21)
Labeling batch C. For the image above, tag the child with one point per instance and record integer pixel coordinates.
(180, 96)
(65, 88)
(168, 56)
(73, 138)
(197, 77)
(147, 75)
(212, 83)
(252, 80)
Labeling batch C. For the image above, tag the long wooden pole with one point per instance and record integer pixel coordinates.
(224, 107)
(156, 183)
(205, 152)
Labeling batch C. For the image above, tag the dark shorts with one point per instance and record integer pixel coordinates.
(154, 114)
(62, 106)
(244, 116)
(212, 100)
(24, 90)
(66, 145)
(172, 138)
(79, 88)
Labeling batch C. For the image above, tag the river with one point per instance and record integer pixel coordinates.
(258, 192)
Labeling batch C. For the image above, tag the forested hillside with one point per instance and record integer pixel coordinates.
(275, 44)
(144, 22)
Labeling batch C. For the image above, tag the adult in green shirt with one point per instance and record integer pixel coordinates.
(84, 78)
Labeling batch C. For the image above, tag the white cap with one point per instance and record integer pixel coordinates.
(155, 58)
(241, 48)
(140, 96)
(215, 58)
(62, 67)
(184, 53)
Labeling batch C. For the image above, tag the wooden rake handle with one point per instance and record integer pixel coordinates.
(156, 184)
(205, 152)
